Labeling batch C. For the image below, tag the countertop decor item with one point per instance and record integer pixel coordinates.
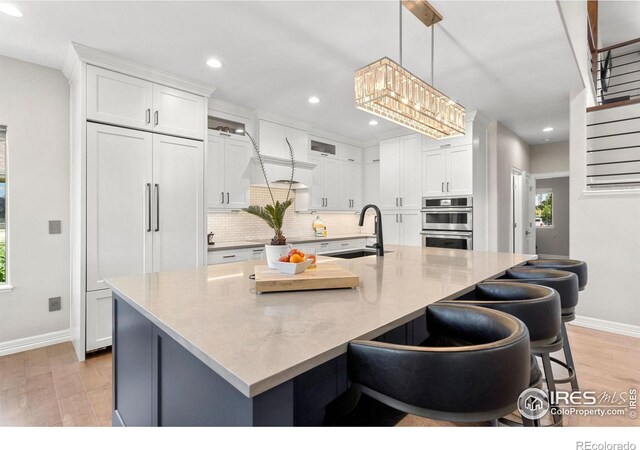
(273, 213)
(326, 276)
(289, 268)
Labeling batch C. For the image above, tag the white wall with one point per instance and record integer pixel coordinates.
(34, 105)
(506, 150)
(552, 157)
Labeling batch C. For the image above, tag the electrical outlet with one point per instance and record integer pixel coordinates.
(55, 227)
(55, 304)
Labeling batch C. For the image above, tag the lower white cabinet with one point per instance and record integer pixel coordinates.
(98, 319)
(228, 256)
(402, 227)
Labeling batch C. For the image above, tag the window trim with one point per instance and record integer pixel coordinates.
(6, 286)
(553, 208)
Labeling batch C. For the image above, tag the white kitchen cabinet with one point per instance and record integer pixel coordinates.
(273, 140)
(325, 183)
(99, 312)
(350, 195)
(178, 113)
(401, 227)
(227, 175)
(178, 200)
(118, 99)
(119, 190)
(447, 171)
(229, 256)
(400, 172)
(348, 152)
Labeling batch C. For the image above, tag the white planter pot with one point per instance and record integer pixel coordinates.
(274, 252)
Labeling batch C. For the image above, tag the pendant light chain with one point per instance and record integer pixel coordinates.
(433, 29)
(400, 28)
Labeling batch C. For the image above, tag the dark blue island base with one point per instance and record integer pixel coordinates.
(159, 382)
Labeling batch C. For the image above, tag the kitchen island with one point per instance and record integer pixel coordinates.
(200, 347)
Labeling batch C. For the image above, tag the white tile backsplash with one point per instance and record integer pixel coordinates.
(239, 225)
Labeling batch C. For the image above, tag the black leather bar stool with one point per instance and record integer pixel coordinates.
(567, 285)
(471, 368)
(538, 307)
(569, 265)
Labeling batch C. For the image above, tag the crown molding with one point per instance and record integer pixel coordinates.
(82, 54)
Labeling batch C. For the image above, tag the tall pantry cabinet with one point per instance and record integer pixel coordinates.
(137, 181)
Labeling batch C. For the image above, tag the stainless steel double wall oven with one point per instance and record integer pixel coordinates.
(447, 222)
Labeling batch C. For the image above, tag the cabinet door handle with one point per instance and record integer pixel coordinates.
(155, 118)
(401, 202)
(396, 201)
(400, 218)
(324, 154)
(375, 160)
(222, 197)
(228, 256)
(326, 201)
(443, 186)
(147, 116)
(447, 186)
(396, 218)
(148, 188)
(351, 159)
(227, 198)
(157, 187)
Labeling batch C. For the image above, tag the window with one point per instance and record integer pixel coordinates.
(544, 208)
(3, 200)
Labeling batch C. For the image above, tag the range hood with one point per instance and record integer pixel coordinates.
(279, 172)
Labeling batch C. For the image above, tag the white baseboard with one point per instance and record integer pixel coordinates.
(32, 342)
(607, 325)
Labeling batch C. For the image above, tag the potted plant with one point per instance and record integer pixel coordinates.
(273, 213)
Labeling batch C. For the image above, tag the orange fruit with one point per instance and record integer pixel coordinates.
(295, 259)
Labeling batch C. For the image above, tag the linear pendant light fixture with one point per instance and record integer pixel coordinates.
(388, 90)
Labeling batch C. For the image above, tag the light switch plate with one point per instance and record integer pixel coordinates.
(55, 304)
(55, 227)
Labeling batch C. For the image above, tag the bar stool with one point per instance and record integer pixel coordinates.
(567, 285)
(539, 308)
(471, 368)
(569, 265)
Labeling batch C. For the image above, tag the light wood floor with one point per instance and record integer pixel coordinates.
(49, 387)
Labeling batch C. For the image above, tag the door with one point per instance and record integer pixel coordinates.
(118, 203)
(434, 169)
(331, 181)
(237, 155)
(216, 197)
(411, 172)
(391, 227)
(530, 214)
(459, 179)
(389, 172)
(98, 319)
(178, 113)
(410, 228)
(517, 212)
(178, 237)
(118, 99)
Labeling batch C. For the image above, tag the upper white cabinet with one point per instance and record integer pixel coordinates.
(448, 171)
(178, 113)
(351, 153)
(273, 140)
(371, 176)
(400, 172)
(228, 172)
(325, 187)
(128, 101)
(119, 99)
(350, 185)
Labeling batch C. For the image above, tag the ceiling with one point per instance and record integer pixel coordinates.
(618, 21)
(509, 60)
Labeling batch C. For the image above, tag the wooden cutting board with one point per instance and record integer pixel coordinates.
(324, 276)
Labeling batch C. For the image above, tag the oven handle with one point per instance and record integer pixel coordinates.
(448, 235)
(447, 210)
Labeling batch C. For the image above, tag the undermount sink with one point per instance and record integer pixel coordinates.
(351, 254)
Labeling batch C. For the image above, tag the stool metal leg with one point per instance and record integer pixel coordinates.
(566, 347)
(551, 386)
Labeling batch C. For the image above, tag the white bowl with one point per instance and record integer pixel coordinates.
(291, 268)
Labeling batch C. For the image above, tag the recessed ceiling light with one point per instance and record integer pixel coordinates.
(10, 10)
(548, 129)
(215, 63)
(314, 100)
(373, 122)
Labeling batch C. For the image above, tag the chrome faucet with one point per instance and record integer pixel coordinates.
(379, 245)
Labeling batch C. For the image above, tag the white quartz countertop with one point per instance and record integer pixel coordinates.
(230, 245)
(258, 341)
